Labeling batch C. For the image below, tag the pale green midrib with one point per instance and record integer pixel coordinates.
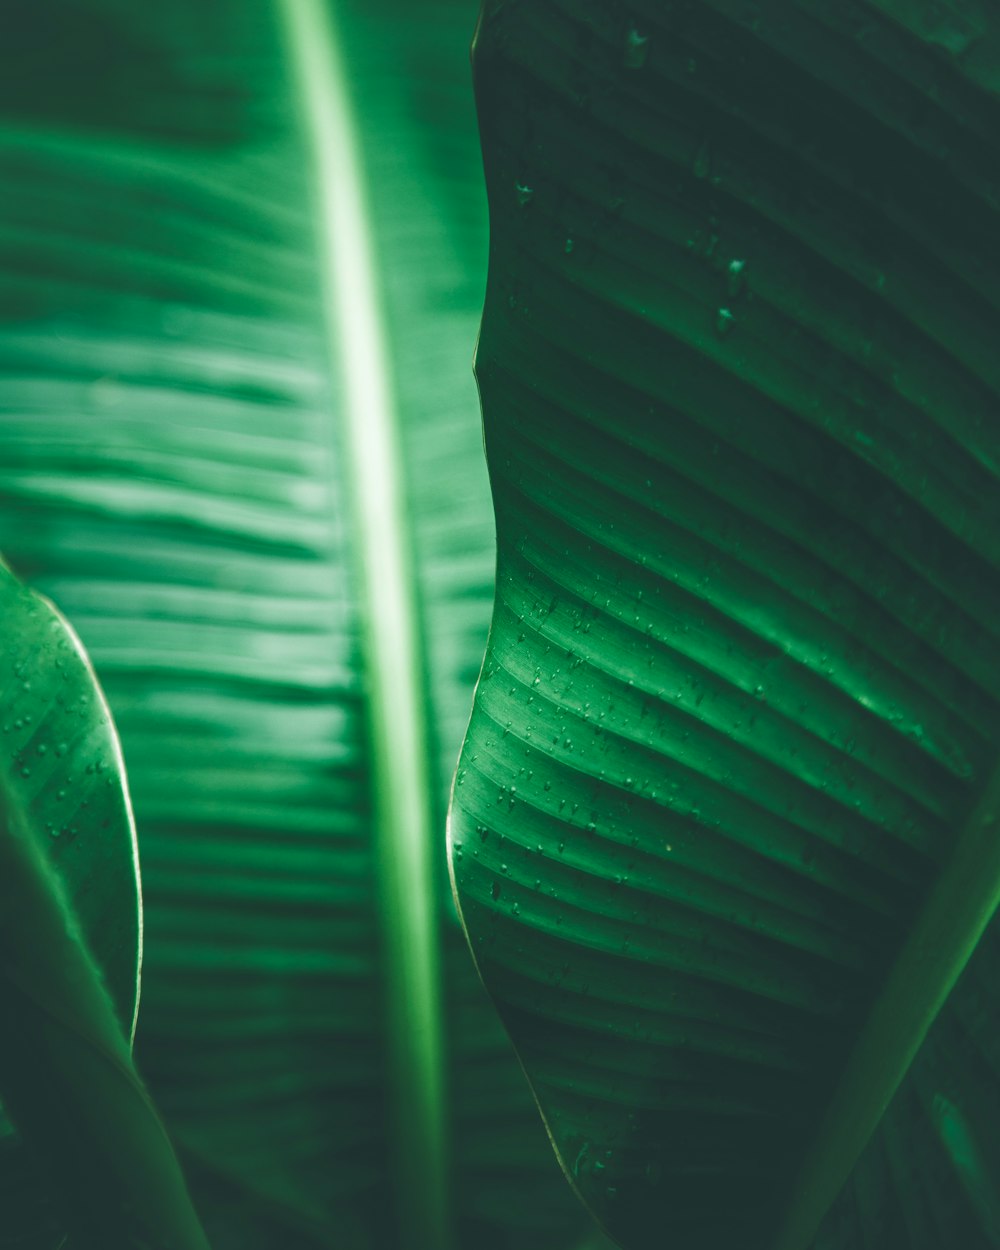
(401, 784)
(933, 958)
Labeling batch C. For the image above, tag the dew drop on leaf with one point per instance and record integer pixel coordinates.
(636, 48)
(724, 321)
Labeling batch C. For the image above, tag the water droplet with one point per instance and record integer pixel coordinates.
(724, 321)
(636, 48)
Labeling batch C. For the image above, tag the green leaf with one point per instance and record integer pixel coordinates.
(70, 886)
(402, 806)
(178, 366)
(724, 832)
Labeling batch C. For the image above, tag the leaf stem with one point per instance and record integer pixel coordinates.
(390, 632)
(960, 907)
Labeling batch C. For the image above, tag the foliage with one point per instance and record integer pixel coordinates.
(174, 476)
(724, 829)
(69, 885)
(725, 823)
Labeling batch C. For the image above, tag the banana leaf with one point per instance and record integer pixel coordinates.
(726, 826)
(184, 352)
(81, 1126)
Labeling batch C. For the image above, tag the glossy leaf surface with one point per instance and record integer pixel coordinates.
(70, 946)
(62, 769)
(724, 831)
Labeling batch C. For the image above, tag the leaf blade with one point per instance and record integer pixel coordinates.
(707, 619)
(66, 1073)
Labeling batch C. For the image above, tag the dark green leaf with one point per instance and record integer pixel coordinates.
(725, 823)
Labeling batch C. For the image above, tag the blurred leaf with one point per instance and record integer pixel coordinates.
(725, 824)
(174, 474)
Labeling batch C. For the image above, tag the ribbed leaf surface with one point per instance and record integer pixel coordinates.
(81, 1130)
(173, 475)
(258, 883)
(740, 697)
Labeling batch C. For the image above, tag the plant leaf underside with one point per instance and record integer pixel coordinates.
(726, 791)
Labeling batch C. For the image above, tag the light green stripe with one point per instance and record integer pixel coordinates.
(941, 943)
(401, 784)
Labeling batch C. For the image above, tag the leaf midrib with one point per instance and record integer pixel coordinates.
(356, 335)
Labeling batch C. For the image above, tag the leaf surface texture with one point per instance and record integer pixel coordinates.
(738, 717)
